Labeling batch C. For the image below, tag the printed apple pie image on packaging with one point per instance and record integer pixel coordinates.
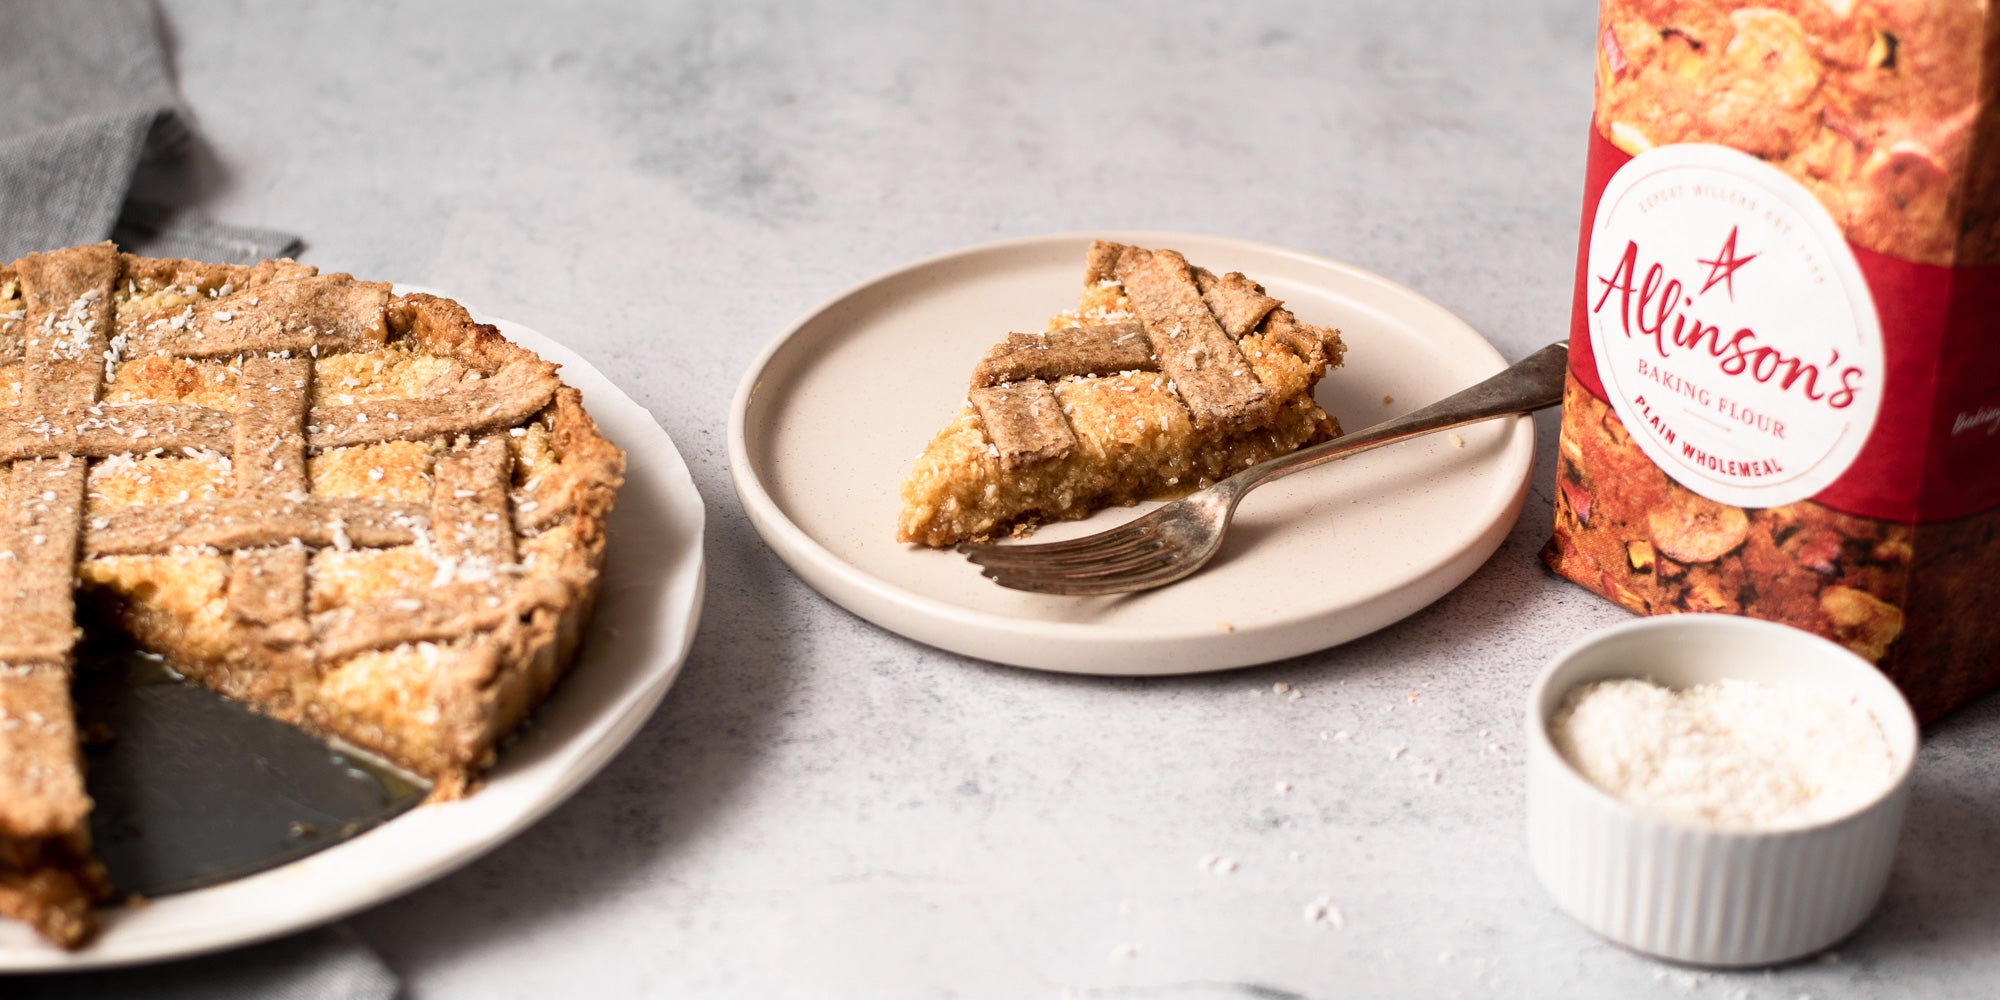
(1784, 391)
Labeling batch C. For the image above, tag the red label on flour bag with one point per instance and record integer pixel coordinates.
(1785, 367)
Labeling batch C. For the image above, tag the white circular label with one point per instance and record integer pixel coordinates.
(1733, 331)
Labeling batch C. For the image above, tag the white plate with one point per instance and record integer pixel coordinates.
(638, 638)
(827, 422)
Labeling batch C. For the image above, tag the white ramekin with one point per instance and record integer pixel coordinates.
(1693, 893)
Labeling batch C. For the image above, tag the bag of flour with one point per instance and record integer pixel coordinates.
(1784, 393)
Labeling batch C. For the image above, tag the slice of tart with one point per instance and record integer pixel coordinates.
(359, 512)
(1164, 379)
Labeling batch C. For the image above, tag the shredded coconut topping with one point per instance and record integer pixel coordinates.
(1735, 754)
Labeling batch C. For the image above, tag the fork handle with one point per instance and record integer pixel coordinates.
(1530, 384)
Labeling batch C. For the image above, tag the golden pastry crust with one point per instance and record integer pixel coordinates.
(1130, 435)
(361, 513)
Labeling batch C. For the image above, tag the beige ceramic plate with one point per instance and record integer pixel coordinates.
(827, 421)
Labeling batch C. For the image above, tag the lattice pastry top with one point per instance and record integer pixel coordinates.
(359, 511)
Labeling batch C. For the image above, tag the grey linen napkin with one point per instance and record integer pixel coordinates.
(89, 105)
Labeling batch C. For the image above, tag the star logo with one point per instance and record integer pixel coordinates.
(1722, 270)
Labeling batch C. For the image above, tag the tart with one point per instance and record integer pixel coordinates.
(1164, 379)
(359, 512)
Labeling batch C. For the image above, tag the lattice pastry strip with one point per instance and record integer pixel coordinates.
(38, 549)
(267, 586)
(46, 875)
(249, 523)
(516, 392)
(68, 315)
(306, 315)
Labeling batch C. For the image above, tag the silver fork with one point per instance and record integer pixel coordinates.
(1179, 538)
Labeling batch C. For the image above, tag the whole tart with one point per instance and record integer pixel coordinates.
(1164, 379)
(358, 512)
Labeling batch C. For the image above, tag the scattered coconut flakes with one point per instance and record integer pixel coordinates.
(1218, 864)
(1681, 979)
(1456, 441)
(1224, 626)
(1281, 787)
(1397, 751)
(1322, 911)
(1124, 951)
(1281, 687)
(1343, 736)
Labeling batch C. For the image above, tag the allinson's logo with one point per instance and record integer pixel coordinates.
(1733, 331)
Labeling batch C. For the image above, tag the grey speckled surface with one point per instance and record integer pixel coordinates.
(824, 809)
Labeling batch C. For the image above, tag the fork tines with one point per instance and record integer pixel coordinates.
(1071, 567)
